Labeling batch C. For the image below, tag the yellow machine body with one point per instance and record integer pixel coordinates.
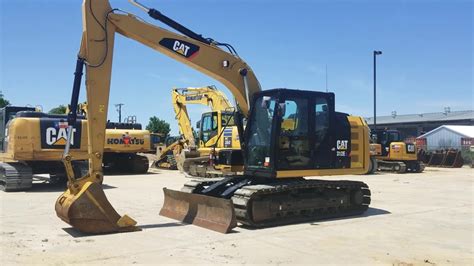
(398, 152)
(27, 141)
(127, 141)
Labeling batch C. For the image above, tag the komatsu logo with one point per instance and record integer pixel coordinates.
(194, 98)
(125, 140)
(180, 47)
(54, 134)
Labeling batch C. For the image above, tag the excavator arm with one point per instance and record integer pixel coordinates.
(100, 24)
(84, 204)
(209, 96)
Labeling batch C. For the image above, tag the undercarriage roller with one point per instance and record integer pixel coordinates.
(89, 211)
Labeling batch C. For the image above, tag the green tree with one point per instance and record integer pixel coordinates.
(60, 110)
(3, 102)
(156, 125)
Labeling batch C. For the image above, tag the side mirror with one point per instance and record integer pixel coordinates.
(198, 124)
(266, 102)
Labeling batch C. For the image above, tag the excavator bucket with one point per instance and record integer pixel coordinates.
(89, 211)
(205, 211)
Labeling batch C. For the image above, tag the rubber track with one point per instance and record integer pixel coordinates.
(388, 166)
(15, 176)
(245, 197)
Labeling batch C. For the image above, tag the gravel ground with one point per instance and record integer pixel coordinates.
(420, 219)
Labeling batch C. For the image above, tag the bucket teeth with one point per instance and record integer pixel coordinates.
(213, 213)
(89, 211)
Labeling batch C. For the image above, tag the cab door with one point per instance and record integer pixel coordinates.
(209, 129)
(323, 152)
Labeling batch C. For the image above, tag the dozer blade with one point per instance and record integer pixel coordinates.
(89, 211)
(205, 211)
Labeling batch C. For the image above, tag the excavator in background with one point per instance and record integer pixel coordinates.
(390, 153)
(169, 152)
(124, 142)
(32, 143)
(218, 133)
(272, 190)
(192, 155)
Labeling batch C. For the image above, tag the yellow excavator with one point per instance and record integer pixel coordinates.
(391, 153)
(32, 143)
(218, 136)
(272, 190)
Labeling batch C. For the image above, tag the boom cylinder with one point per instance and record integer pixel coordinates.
(72, 115)
(175, 25)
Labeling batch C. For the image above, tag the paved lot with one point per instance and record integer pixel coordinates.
(419, 219)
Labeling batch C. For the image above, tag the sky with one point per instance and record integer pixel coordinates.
(426, 65)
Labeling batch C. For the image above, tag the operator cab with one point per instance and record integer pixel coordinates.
(209, 125)
(384, 137)
(295, 130)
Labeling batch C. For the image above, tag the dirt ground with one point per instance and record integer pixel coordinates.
(420, 219)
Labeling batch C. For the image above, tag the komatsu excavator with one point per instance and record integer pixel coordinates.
(218, 135)
(124, 142)
(185, 150)
(272, 190)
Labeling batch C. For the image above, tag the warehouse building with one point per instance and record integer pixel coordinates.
(414, 125)
(447, 137)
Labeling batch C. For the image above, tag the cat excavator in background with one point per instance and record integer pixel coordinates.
(32, 143)
(390, 153)
(272, 190)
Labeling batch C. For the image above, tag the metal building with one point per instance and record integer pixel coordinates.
(414, 125)
(446, 137)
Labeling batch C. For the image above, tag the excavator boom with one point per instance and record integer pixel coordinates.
(84, 204)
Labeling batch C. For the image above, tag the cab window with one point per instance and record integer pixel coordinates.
(294, 138)
(209, 126)
(321, 121)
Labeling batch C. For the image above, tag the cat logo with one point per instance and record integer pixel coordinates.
(58, 136)
(342, 144)
(54, 134)
(180, 47)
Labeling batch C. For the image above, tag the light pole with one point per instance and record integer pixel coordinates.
(119, 110)
(375, 88)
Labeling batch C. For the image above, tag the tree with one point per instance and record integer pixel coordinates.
(3, 102)
(60, 110)
(157, 125)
